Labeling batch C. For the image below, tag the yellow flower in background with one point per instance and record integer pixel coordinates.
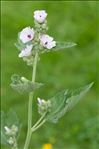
(47, 146)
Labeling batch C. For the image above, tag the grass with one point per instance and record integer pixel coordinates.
(68, 21)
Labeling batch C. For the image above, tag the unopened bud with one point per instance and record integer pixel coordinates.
(7, 130)
(43, 106)
(24, 79)
(10, 141)
(11, 131)
(14, 129)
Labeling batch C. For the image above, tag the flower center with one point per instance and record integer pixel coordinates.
(29, 36)
(40, 16)
(46, 43)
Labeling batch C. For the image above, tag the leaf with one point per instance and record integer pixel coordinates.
(23, 85)
(63, 45)
(60, 46)
(64, 101)
(11, 118)
(20, 47)
(8, 120)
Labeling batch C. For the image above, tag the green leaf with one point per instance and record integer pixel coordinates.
(20, 47)
(11, 118)
(64, 101)
(23, 85)
(8, 120)
(60, 46)
(63, 45)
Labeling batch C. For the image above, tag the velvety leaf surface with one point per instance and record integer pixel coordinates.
(23, 85)
(64, 101)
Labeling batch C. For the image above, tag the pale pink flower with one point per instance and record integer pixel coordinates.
(26, 35)
(26, 52)
(40, 15)
(47, 42)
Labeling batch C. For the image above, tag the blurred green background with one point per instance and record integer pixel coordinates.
(74, 21)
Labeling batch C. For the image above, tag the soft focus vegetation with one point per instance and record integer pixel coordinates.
(71, 68)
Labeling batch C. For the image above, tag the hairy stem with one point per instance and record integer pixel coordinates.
(39, 121)
(38, 126)
(29, 132)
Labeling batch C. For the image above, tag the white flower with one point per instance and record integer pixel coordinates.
(40, 16)
(7, 130)
(27, 34)
(26, 52)
(47, 41)
(44, 106)
(41, 101)
(11, 131)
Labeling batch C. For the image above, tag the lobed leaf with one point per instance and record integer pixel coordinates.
(60, 46)
(64, 101)
(63, 45)
(20, 47)
(23, 85)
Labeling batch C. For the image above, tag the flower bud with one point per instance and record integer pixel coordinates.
(14, 129)
(23, 79)
(43, 106)
(11, 131)
(7, 130)
(10, 141)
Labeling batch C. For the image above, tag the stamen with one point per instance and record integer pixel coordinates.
(29, 36)
(46, 43)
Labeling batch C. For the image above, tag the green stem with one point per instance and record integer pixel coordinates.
(37, 123)
(29, 132)
(35, 128)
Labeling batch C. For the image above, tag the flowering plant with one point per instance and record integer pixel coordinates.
(32, 42)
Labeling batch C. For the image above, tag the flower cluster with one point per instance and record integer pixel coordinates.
(11, 134)
(35, 38)
(43, 106)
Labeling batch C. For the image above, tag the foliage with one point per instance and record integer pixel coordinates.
(23, 85)
(71, 68)
(64, 101)
(60, 46)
